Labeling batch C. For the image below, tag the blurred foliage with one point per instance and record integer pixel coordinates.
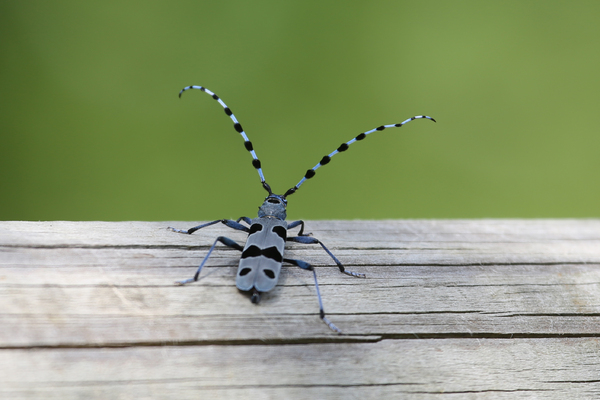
(91, 127)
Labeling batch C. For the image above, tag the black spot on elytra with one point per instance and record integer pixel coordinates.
(252, 251)
(269, 273)
(255, 228)
(280, 231)
(273, 253)
(270, 252)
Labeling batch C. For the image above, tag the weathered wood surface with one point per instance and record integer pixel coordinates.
(450, 309)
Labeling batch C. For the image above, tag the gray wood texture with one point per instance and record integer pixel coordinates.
(455, 309)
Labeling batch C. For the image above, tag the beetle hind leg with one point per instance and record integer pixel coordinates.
(308, 267)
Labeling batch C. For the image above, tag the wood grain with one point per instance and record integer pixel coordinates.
(456, 308)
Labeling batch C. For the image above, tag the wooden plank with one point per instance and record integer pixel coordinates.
(518, 368)
(488, 307)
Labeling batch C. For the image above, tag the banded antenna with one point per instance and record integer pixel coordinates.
(343, 147)
(311, 172)
(238, 127)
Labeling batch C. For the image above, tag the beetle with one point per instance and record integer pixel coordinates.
(263, 253)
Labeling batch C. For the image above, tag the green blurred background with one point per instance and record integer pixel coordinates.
(91, 127)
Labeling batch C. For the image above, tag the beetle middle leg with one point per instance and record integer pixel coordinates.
(227, 242)
(311, 240)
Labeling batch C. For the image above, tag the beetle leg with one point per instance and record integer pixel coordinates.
(227, 242)
(311, 240)
(307, 266)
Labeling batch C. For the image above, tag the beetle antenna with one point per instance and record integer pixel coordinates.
(238, 127)
(343, 147)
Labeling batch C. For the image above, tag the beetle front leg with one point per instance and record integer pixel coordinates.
(294, 224)
(228, 222)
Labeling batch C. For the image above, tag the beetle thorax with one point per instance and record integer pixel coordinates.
(274, 206)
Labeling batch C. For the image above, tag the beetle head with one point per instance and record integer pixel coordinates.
(274, 206)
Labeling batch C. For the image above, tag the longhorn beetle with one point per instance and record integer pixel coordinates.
(262, 256)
